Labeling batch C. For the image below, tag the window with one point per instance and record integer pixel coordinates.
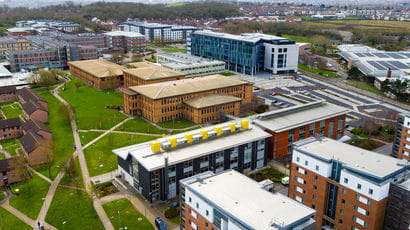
(341, 211)
(190, 199)
(314, 197)
(207, 213)
(344, 191)
(343, 201)
(197, 205)
(359, 186)
(316, 177)
(314, 187)
(306, 163)
(340, 221)
(313, 206)
(317, 167)
(206, 225)
(370, 191)
(346, 180)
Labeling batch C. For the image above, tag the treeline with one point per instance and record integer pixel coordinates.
(118, 11)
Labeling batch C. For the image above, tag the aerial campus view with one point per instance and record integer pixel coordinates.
(205, 115)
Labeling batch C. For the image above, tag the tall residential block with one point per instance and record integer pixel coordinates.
(347, 186)
(230, 201)
(401, 144)
(155, 168)
(248, 53)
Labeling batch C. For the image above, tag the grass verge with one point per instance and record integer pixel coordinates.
(9, 222)
(322, 73)
(176, 124)
(140, 125)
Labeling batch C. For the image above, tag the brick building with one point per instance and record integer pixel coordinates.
(230, 200)
(127, 40)
(150, 75)
(398, 206)
(8, 94)
(10, 129)
(98, 73)
(165, 101)
(36, 127)
(34, 106)
(348, 186)
(299, 122)
(401, 144)
(7, 173)
(155, 168)
(37, 148)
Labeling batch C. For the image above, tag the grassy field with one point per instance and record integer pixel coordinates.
(30, 199)
(322, 73)
(228, 74)
(9, 222)
(86, 137)
(366, 86)
(140, 125)
(99, 156)
(152, 59)
(63, 139)
(177, 124)
(75, 182)
(11, 146)
(176, 4)
(72, 209)
(373, 25)
(173, 50)
(11, 110)
(122, 213)
(90, 105)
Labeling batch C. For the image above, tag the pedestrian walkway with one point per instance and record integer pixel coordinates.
(104, 177)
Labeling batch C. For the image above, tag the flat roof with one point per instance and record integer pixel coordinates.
(4, 72)
(153, 72)
(369, 162)
(210, 100)
(243, 198)
(246, 37)
(186, 86)
(188, 59)
(299, 115)
(124, 33)
(154, 160)
(143, 64)
(99, 67)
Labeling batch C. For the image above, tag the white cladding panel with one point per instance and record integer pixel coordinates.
(325, 169)
(379, 192)
(292, 56)
(406, 122)
(202, 205)
(125, 176)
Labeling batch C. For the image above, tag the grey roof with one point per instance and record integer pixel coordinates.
(359, 159)
(245, 37)
(9, 123)
(184, 151)
(35, 126)
(243, 200)
(299, 115)
(4, 72)
(8, 89)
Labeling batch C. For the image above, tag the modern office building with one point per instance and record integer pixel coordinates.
(230, 200)
(12, 43)
(191, 66)
(155, 168)
(21, 31)
(171, 100)
(155, 32)
(59, 25)
(248, 53)
(150, 75)
(347, 186)
(127, 40)
(401, 144)
(98, 73)
(298, 122)
(99, 41)
(397, 215)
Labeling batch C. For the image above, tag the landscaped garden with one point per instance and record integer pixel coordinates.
(12, 110)
(323, 73)
(91, 105)
(173, 50)
(99, 156)
(31, 196)
(365, 143)
(73, 209)
(140, 125)
(124, 216)
(9, 222)
(269, 173)
(11, 146)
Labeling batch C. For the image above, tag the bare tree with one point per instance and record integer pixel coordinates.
(46, 149)
(21, 169)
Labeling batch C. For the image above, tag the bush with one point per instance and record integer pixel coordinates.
(171, 212)
(262, 108)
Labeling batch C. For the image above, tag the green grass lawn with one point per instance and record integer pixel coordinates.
(9, 222)
(228, 74)
(72, 209)
(30, 199)
(63, 139)
(12, 110)
(322, 73)
(86, 137)
(75, 182)
(367, 87)
(176, 220)
(182, 131)
(11, 146)
(90, 105)
(152, 59)
(122, 213)
(99, 156)
(173, 50)
(297, 38)
(176, 124)
(140, 125)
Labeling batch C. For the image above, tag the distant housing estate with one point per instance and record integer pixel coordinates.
(248, 53)
(155, 32)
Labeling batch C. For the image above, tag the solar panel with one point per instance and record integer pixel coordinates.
(399, 65)
(376, 65)
(381, 55)
(396, 56)
(387, 65)
(368, 54)
(359, 55)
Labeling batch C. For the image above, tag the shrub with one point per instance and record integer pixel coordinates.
(171, 212)
(262, 108)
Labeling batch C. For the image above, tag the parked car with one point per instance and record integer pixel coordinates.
(285, 180)
(274, 93)
(160, 224)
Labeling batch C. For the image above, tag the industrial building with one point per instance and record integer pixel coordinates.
(248, 53)
(166, 101)
(401, 144)
(348, 186)
(127, 40)
(298, 122)
(191, 66)
(230, 200)
(58, 25)
(155, 168)
(98, 73)
(155, 32)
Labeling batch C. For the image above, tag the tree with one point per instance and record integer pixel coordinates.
(21, 169)
(63, 112)
(117, 58)
(385, 85)
(354, 73)
(136, 58)
(399, 87)
(72, 172)
(46, 148)
(42, 78)
(370, 127)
